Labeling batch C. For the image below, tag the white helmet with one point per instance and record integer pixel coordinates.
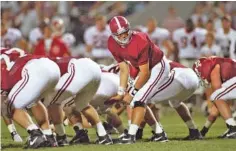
(58, 26)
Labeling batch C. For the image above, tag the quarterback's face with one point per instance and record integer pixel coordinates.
(123, 36)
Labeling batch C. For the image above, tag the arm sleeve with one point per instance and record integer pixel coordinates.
(116, 56)
(88, 37)
(65, 49)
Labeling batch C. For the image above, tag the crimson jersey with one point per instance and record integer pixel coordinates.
(10, 75)
(139, 51)
(176, 65)
(62, 63)
(204, 67)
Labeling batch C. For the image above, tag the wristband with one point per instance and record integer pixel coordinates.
(132, 91)
(121, 91)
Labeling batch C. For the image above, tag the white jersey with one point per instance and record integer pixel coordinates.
(189, 44)
(158, 35)
(99, 40)
(227, 42)
(209, 51)
(35, 35)
(11, 37)
(69, 39)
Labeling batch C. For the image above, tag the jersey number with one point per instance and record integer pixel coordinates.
(6, 58)
(184, 42)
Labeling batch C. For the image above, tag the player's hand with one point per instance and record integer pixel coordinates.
(114, 99)
(127, 99)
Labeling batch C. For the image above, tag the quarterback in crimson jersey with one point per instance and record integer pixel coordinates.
(137, 50)
(221, 75)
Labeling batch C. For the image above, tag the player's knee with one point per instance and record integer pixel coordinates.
(175, 104)
(68, 111)
(82, 107)
(214, 112)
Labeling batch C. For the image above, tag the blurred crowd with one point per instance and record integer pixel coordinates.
(66, 28)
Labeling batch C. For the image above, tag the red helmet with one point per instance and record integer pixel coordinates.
(202, 69)
(119, 25)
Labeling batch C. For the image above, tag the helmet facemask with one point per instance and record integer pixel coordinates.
(124, 41)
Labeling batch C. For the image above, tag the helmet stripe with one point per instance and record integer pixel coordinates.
(126, 21)
(117, 22)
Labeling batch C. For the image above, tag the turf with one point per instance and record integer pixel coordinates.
(173, 125)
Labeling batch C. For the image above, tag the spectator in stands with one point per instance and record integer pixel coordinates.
(160, 36)
(210, 48)
(210, 26)
(172, 21)
(95, 38)
(27, 19)
(226, 37)
(49, 45)
(199, 18)
(12, 37)
(7, 16)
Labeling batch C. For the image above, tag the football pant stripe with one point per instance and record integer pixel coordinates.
(155, 82)
(216, 97)
(12, 99)
(225, 91)
(65, 85)
(170, 80)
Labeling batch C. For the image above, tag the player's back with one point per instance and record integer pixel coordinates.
(63, 62)
(227, 67)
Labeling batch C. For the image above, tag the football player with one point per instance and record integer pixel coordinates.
(95, 38)
(160, 36)
(188, 41)
(226, 38)
(220, 74)
(79, 82)
(154, 77)
(18, 77)
(12, 37)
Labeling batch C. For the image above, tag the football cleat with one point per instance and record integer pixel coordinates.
(159, 137)
(127, 138)
(109, 128)
(16, 137)
(62, 140)
(123, 134)
(139, 134)
(81, 137)
(36, 139)
(204, 131)
(51, 141)
(231, 133)
(104, 140)
(194, 134)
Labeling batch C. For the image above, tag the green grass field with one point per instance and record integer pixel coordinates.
(173, 125)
